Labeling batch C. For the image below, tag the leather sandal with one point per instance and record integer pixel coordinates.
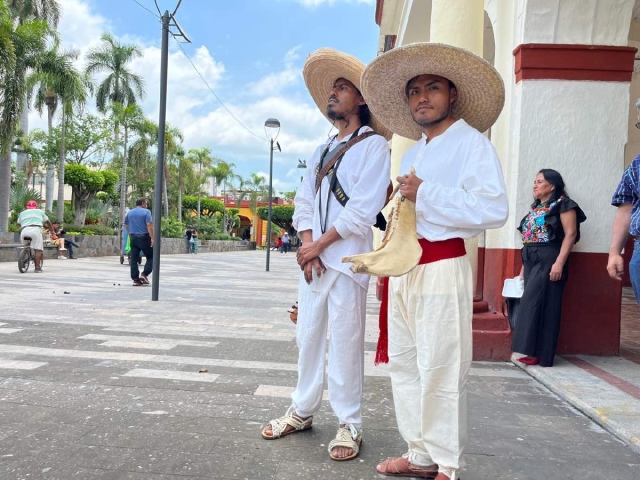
(402, 467)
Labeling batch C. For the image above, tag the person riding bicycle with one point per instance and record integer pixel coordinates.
(31, 221)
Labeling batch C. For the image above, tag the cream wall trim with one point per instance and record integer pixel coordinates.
(588, 22)
(579, 129)
(391, 16)
(503, 16)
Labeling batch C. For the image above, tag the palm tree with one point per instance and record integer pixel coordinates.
(56, 76)
(173, 137)
(121, 85)
(26, 10)
(185, 168)
(257, 187)
(130, 117)
(28, 41)
(202, 158)
(223, 173)
(45, 10)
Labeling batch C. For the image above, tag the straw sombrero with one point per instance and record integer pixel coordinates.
(480, 87)
(323, 67)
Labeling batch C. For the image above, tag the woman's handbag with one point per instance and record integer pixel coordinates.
(512, 290)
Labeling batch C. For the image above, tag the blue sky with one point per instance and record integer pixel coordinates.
(251, 53)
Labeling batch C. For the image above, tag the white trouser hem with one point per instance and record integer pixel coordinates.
(420, 460)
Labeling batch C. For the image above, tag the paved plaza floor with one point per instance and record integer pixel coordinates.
(99, 382)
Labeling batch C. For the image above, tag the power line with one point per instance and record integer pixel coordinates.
(217, 98)
(146, 9)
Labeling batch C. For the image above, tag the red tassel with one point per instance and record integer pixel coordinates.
(382, 350)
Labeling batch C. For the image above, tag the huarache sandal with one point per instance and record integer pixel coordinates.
(279, 426)
(348, 437)
(401, 467)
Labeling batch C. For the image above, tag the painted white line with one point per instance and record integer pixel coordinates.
(172, 375)
(154, 340)
(280, 336)
(10, 330)
(280, 392)
(147, 346)
(20, 364)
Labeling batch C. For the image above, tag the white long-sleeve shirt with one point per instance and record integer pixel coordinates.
(364, 175)
(463, 190)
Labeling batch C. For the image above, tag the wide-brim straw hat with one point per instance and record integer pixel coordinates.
(480, 87)
(323, 67)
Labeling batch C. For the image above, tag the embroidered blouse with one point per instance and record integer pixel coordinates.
(543, 225)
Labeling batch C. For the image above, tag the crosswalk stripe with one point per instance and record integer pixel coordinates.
(19, 364)
(171, 375)
(172, 342)
(280, 392)
(7, 331)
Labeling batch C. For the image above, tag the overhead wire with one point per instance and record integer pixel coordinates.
(141, 5)
(216, 96)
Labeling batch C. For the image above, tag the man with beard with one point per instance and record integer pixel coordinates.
(335, 208)
(444, 97)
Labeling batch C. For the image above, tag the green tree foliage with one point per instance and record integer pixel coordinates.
(86, 184)
(208, 206)
(281, 215)
(18, 199)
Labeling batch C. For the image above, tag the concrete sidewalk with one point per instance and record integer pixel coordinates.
(98, 382)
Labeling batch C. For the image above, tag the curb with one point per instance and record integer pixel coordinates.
(629, 438)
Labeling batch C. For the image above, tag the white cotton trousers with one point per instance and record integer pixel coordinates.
(336, 302)
(430, 350)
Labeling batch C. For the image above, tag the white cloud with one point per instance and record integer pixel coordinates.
(194, 109)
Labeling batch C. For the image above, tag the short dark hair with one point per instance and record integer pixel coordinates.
(406, 87)
(555, 179)
(140, 201)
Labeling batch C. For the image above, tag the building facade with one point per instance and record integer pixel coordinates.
(568, 69)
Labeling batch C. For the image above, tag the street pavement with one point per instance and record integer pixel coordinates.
(99, 382)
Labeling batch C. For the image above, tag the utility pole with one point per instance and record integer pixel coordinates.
(168, 21)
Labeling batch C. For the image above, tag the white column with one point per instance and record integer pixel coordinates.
(460, 23)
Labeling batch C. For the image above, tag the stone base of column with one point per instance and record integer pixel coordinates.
(491, 334)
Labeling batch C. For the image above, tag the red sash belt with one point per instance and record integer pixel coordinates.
(431, 252)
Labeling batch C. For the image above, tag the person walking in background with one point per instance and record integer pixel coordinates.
(285, 243)
(353, 167)
(444, 97)
(549, 232)
(626, 222)
(139, 225)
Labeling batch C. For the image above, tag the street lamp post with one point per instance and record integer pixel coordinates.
(271, 123)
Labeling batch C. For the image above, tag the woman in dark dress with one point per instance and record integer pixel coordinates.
(549, 232)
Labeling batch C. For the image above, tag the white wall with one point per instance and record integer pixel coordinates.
(579, 129)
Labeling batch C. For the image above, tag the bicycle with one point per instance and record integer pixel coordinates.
(26, 255)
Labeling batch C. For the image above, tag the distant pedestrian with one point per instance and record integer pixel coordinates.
(187, 234)
(194, 242)
(139, 226)
(286, 241)
(549, 232)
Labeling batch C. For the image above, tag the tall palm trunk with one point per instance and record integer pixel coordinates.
(5, 187)
(199, 189)
(22, 158)
(51, 169)
(60, 209)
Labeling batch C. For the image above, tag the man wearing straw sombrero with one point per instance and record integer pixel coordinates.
(335, 208)
(444, 97)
